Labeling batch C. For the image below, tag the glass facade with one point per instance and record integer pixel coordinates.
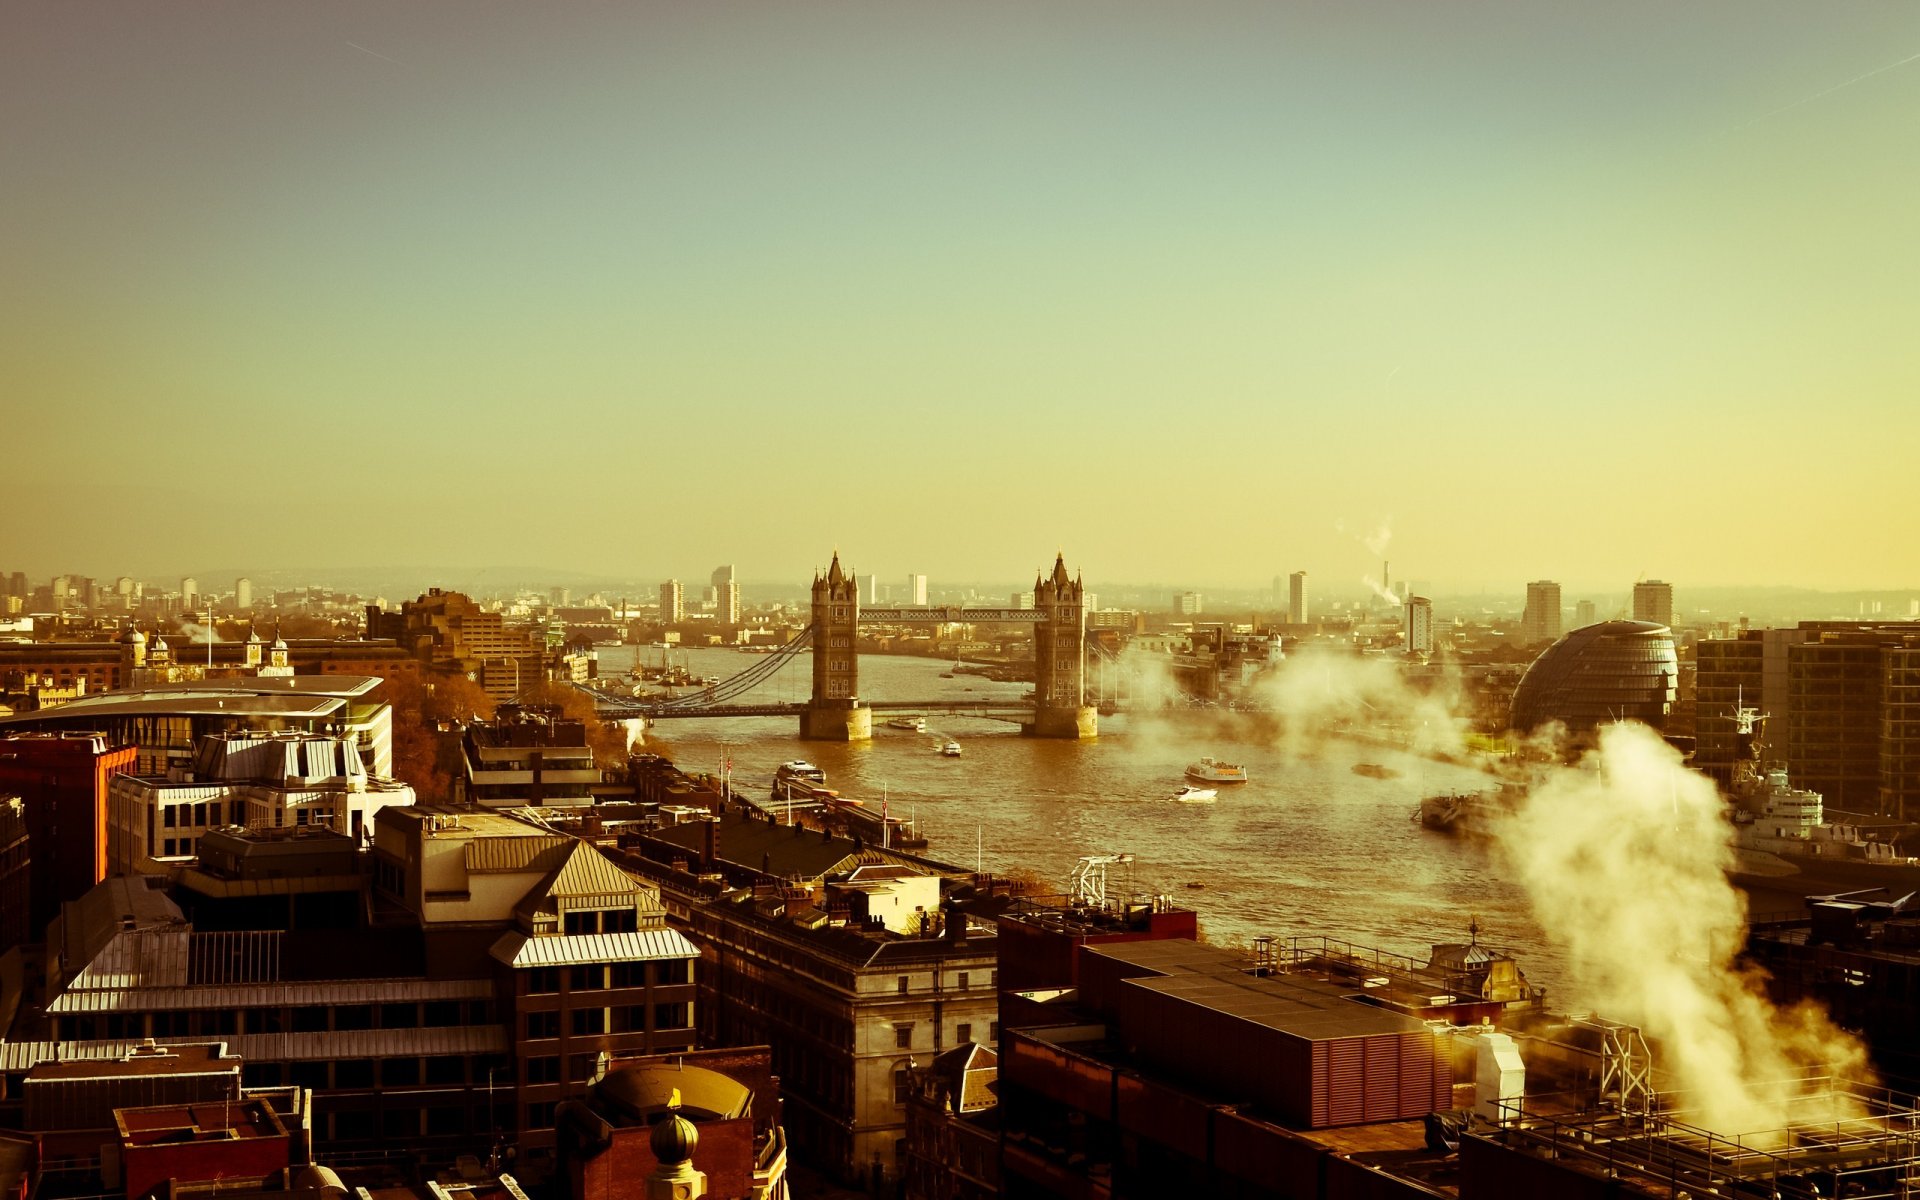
(1616, 670)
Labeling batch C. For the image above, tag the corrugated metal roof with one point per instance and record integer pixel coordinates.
(531, 851)
(519, 950)
(270, 995)
(285, 1047)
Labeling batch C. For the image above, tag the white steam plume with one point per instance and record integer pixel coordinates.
(1320, 694)
(1377, 541)
(198, 634)
(1624, 859)
(636, 732)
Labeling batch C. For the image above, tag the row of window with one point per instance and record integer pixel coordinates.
(590, 977)
(310, 1018)
(626, 1018)
(962, 1034)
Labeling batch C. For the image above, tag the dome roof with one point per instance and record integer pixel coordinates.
(674, 1140)
(637, 1095)
(133, 636)
(1612, 671)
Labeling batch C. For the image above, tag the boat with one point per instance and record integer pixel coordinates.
(950, 750)
(798, 776)
(1195, 795)
(1212, 770)
(916, 724)
(1783, 842)
(1375, 771)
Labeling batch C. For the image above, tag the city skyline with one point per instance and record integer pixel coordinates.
(1506, 280)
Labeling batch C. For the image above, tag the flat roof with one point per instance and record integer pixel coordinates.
(221, 1121)
(109, 705)
(197, 1058)
(1303, 1008)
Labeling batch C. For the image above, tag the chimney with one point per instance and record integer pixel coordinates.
(710, 850)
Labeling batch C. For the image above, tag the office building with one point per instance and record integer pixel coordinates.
(164, 723)
(1540, 623)
(1297, 598)
(1419, 625)
(1584, 614)
(673, 603)
(63, 780)
(527, 759)
(449, 634)
(1020, 600)
(1613, 671)
(16, 875)
(917, 590)
(246, 780)
(243, 594)
(1188, 604)
(189, 592)
(726, 595)
(848, 960)
(869, 588)
(1653, 601)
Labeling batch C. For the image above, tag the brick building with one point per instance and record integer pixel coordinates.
(62, 780)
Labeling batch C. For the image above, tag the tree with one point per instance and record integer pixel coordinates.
(428, 714)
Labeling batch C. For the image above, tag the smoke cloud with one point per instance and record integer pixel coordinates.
(1624, 859)
(636, 732)
(1321, 694)
(198, 634)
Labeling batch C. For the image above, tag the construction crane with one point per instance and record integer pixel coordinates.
(1089, 879)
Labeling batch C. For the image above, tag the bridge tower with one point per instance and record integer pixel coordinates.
(1060, 659)
(834, 714)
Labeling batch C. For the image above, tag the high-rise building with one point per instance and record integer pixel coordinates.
(869, 588)
(559, 597)
(1020, 600)
(1541, 622)
(1297, 598)
(673, 602)
(917, 590)
(1653, 601)
(726, 595)
(1584, 614)
(243, 594)
(1419, 631)
(189, 591)
(1089, 602)
(1188, 604)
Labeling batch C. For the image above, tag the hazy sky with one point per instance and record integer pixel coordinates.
(1193, 291)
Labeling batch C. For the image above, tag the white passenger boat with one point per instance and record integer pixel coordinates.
(1194, 795)
(1212, 770)
(950, 750)
(916, 724)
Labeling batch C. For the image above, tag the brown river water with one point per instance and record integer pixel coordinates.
(1305, 848)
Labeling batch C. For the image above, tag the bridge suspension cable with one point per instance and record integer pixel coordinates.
(728, 688)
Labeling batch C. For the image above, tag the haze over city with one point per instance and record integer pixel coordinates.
(1207, 292)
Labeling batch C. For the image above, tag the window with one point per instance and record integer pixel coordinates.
(628, 975)
(400, 1124)
(166, 847)
(399, 1016)
(902, 1085)
(543, 981)
(962, 1034)
(399, 1072)
(168, 818)
(587, 979)
(353, 1016)
(630, 1018)
(353, 1073)
(903, 1036)
(442, 1013)
(678, 970)
(544, 1069)
(903, 985)
(583, 922)
(589, 1020)
(445, 1122)
(540, 1116)
(581, 1067)
(308, 1075)
(671, 1016)
(963, 981)
(446, 1068)
(543, 1024)
(993, 1032)
(309, 1018)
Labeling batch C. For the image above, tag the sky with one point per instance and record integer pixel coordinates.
(1196, 291)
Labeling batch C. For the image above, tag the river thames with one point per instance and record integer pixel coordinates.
(1305, 848)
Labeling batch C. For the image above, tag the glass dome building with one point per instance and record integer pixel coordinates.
(1616, 670)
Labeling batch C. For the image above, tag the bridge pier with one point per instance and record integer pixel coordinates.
(1071, 723)
(836, 721)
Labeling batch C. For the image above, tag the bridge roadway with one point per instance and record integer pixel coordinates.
(1001, 711)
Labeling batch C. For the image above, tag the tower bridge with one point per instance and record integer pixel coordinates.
(837, 712)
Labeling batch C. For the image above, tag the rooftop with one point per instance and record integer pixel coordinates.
(198, 1058)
